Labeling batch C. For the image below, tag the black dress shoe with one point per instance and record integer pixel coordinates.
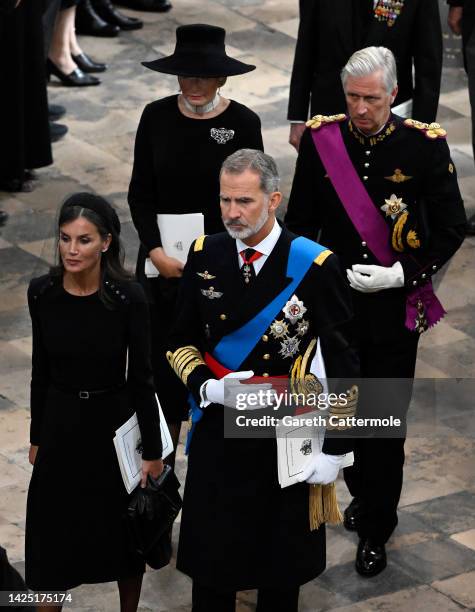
(16, 185)
(87, 64)
(151, 6)
(370, 558)
(55, 111)
(30, 175)
(350, 516)
(57, 131)
(3, 218)
(470, 229)
(76, 78)
(106, 10)
(89, 22)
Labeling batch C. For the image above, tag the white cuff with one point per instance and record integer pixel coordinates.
(204, 402)
(397, 267)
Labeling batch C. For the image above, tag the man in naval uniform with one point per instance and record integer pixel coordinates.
(254, 299)
(383, 194)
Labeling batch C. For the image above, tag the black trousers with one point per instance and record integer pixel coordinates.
(206, 599)
(470, 62)
(376, 476)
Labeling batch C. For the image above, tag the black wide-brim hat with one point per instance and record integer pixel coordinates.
(199, 52)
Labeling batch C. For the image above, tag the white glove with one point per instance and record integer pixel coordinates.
(322, 469)
(369, 279)
(230, 392)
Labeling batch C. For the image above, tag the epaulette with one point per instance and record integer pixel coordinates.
(317, 121)
(322, 257)
(430, 130)
(199, 243)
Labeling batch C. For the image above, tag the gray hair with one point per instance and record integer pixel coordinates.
(257, 161)
(366, 61)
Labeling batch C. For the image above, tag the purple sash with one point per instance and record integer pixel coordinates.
(423, 309)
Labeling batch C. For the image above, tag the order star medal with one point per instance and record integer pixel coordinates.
(211, 294)
(289, 347)
(279, 329)
(294, 309)
(394, 206)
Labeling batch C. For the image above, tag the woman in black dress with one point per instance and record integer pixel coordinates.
(91, 371)
(181, 142)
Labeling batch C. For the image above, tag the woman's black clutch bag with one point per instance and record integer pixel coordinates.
(151, 513)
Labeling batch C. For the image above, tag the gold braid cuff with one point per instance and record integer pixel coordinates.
(302, 382)
(184, 360)
(343, 409)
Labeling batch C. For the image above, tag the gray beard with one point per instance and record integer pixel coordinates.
(251, 230)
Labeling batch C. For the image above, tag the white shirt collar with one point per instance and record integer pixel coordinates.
(265, 246)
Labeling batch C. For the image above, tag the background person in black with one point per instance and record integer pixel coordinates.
(90, 327)
(25, 131)
(390, 157)
(181, 142)
(461, 20)
(331, 30)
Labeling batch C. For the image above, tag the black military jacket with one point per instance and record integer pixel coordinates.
(202, 321)
(401, 160)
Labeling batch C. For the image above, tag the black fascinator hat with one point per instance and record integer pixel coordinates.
(199, 52)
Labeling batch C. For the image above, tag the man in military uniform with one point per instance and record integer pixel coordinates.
(383, 193)
(254, 300)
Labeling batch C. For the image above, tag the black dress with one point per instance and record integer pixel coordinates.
(176, 170)
(75, 529)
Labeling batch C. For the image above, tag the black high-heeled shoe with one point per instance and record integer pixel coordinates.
(76, 78)
(87, 64)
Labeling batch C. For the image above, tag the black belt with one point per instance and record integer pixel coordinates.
(83, 394)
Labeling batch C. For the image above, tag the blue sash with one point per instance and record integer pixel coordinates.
(233, 349)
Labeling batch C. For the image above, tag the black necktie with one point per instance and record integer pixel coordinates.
(249, 256)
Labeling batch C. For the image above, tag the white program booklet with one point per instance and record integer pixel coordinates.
(404, 109)
(297, 446)
(127, 443)
(177, 233)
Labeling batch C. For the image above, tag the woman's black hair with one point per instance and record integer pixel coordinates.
(98, 211)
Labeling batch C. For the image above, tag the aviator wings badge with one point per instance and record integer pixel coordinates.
(206, 275)
(211, 294)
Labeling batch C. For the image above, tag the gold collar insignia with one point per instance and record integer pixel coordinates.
(370, 141)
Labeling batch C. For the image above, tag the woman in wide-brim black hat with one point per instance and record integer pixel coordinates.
(181, 143)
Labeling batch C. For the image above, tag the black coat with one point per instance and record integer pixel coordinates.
(239, 529)
(468, 20)
(427, 183)
(331, 30)
(23, 103)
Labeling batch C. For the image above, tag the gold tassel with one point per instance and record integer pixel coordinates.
(323, 506)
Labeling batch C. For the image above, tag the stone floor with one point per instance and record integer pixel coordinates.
(432, 554)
